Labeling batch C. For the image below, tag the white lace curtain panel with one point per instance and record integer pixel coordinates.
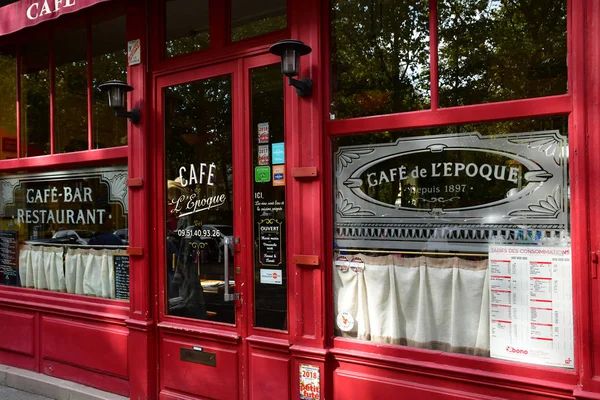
(81, 271)
(426, 302)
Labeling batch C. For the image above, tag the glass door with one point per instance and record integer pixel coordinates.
(200, 199)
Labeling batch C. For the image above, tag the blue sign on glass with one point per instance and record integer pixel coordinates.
(278, 153)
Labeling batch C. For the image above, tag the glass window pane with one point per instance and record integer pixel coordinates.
(199, 212)
(456, 239)
(61, 231)
(70, 88)
(249, 19)
(501, 50)
(109, 61)
(380, 57)
(8, 102)
(186, 27)
(268, 176)
(35, 98)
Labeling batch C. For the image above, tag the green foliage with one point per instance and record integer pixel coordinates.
(380, 58)
(488, 50)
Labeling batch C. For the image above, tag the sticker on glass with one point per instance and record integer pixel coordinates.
(263, 132)
(278, 150)
(357, 264)
(262, 174)
(263, 155)
(278, 175)
(271, 276)
(342, 264)
(345, 321)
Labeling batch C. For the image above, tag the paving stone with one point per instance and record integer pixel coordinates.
(7, 393)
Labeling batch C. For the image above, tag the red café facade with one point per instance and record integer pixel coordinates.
(420, 222)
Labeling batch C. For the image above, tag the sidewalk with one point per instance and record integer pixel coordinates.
(7, 393)
(21, 384)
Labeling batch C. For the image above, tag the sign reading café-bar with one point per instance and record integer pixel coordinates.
(463, 189)
(26, 13)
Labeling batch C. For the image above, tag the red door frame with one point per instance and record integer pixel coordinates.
(164, 321)
(243, 204)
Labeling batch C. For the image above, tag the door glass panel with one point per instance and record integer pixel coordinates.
(268, 177)
(199, 211)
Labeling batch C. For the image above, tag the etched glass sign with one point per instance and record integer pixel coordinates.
(465, 189)
(65, 231)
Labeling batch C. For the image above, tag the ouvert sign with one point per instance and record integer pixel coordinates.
(26, 13)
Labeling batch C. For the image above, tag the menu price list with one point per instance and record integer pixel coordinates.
(531, 305)
(9, 255)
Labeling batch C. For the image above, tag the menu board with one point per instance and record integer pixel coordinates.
(531, 305)
(9, 258)
(121, 276)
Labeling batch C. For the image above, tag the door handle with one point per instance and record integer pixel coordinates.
(227, 296)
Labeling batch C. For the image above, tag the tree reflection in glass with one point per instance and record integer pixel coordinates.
(199, 212)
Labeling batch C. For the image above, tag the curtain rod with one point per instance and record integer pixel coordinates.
(84, 246)
(422, 253)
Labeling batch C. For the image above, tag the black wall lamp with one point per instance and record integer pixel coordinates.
(116, 99)
(290, 52)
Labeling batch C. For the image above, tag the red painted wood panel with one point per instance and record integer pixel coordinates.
(17, 360)
(89, 345)
(204, 381)
(370, 387)
(86, 377)
(269, 376)
(368, 380)
(17, 331)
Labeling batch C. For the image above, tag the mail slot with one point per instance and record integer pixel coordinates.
(198, 357)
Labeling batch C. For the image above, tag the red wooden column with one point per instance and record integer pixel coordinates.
(142, 338)
(584, 57)
(304, 120)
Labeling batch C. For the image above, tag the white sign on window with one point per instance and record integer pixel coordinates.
(271, 276)
(531, 304)
(133, 52)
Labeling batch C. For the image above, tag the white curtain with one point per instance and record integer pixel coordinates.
(427, 302)
(41, 267)
(90, 272)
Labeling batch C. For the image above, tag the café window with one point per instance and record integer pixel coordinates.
(249, 19)
(456, 239)
(8, 102)
(66, 231)
(67, 98)
(186, 26)
(487, 51)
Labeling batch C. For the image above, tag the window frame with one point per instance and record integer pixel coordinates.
(220, 47)
(89, 156)
(72, 304)
(569, 104)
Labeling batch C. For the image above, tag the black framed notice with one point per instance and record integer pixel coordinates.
(121, 262)
(9, 258)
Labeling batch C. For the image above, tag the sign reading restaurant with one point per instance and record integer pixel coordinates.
(64, 199)
(462, 188)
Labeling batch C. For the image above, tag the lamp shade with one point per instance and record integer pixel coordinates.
(116, 93)
(290, 52)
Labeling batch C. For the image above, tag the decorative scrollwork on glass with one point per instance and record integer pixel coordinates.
(347, 157)
(345, 208)
(438, 199)
(550, 206)
(551, 146)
